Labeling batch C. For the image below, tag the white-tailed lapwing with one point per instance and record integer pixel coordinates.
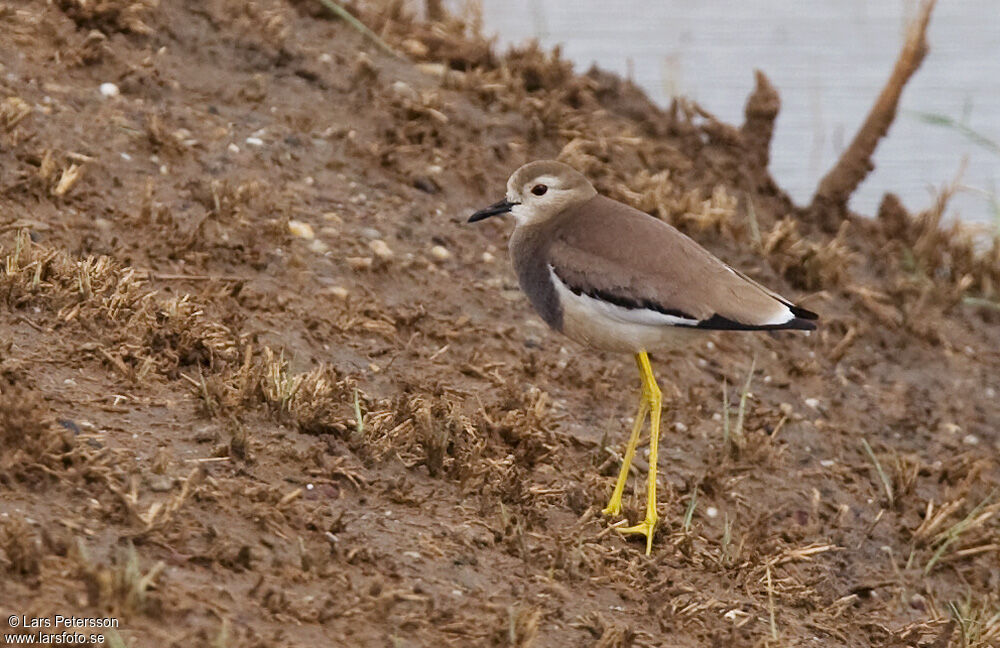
(615, 278)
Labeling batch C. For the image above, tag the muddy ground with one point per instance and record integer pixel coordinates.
(260, 384)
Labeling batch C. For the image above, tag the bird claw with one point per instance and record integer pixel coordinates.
(646, 527)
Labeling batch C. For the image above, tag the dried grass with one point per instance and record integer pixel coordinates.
(140, 330)
(806, 263)
(21, 547)
(978, 622)
(12, 111)
(30, 442)
(954, 261)
(130, 16)
(121, 588)
(687, 208)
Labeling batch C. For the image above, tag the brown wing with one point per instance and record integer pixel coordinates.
(611, 251)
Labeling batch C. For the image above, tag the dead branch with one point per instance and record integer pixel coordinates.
(760, 112)
(435, 10)
(855, 163)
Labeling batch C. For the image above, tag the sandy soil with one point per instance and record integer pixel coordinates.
(260, 385)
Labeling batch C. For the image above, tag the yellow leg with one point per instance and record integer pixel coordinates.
(654, 401)
(614, 506)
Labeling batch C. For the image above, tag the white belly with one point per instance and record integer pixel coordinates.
(608, 327)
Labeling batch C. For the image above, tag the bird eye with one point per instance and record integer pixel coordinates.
(539, 190)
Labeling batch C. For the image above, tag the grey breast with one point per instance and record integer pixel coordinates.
(529, 247)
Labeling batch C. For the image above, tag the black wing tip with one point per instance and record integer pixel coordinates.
(800, 323)
(720, 323)
(803, 313)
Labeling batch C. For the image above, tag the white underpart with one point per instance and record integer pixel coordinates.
(607, 326)
(603, 309)
(614, 328)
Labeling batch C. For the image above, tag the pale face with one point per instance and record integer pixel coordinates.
(542, 197)
(538, 191)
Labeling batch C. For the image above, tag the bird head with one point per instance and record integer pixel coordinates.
(538, 191)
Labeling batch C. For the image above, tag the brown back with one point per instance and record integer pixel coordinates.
(606, 248)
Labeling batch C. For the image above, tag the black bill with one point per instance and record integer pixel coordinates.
(501, 207)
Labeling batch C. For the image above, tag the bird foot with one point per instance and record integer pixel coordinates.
(647, 528)
(613, 508)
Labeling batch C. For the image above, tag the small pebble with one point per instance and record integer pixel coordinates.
(160, 483)
(109, 90)
(318, 246)
(970, 439)
(380, 249)
(415, 48)
(488, 258)
(371, 233)
(233, 148)
(364, 66)
(440, 253)
(360, 263)
(404, 91)
(339, 292)
(509, 294)
(433, 69)
(680, 427)
(325, 58)
(126, 157)
(254, 141)
(412, 554)
(827, 463)
(301, 230)
(813, 403)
